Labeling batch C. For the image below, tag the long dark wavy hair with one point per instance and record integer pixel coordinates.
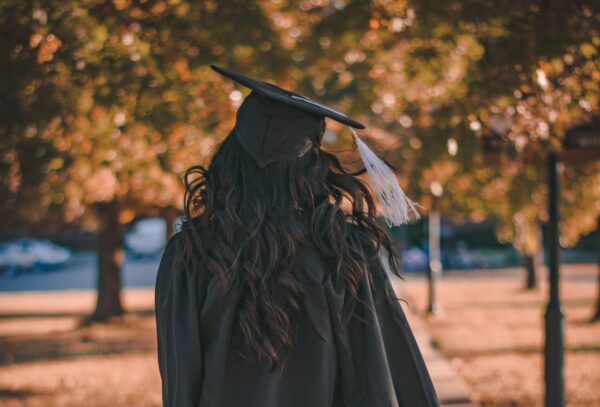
(244, 226)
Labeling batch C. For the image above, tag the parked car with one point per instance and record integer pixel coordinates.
(32, 254)
(146, 238)
(414, 259)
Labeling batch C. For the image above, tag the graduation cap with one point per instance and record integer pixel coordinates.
(275, 124)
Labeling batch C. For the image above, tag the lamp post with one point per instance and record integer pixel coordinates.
(596, 316)
(553, 349)
(434, 266)
(581, 144)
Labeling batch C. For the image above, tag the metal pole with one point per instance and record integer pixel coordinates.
(596, 316)
(553, 350)
(434, 270)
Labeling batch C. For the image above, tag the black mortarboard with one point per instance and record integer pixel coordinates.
(271, 131)
(289, 98)
(275, 124)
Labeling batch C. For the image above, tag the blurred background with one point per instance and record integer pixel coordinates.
(105, 104)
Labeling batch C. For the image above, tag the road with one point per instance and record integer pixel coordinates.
(80, 274)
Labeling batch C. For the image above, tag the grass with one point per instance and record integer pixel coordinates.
(47, 358)
(492, 331)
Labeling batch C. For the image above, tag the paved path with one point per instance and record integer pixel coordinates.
(451, 389)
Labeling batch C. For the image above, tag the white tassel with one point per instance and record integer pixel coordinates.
(395, 205)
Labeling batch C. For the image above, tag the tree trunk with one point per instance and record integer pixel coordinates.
(110, 257)
(170, 215)
(596, 316)
(532, 267)
(534, 261)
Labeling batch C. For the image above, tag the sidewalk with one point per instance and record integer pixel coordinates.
(451, 389)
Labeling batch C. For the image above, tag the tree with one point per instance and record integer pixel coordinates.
(530, 85)
(108, 102)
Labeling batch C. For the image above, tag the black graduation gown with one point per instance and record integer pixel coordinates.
(333, 363)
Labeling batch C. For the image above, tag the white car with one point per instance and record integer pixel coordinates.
(27, 254)
(147, 237)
